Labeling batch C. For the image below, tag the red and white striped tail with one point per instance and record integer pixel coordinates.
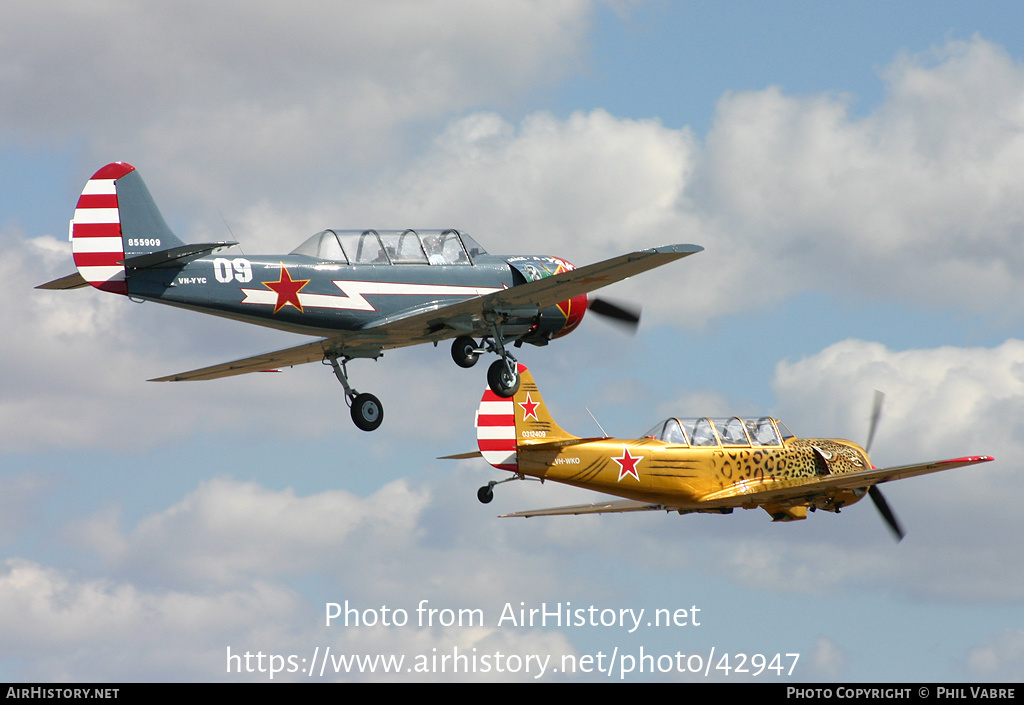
(496, 431)
(96, 241)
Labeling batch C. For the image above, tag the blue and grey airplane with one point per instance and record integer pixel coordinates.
(360, 291)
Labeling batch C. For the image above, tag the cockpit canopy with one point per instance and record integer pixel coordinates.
(392, 247)
(730, 432)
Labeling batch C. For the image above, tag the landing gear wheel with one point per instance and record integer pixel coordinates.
(463, 351)
(485, 494)
(501, 381)
(367, 412)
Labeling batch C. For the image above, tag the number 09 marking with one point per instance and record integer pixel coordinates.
(229, 270)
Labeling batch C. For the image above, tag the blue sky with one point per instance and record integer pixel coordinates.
(852, 172)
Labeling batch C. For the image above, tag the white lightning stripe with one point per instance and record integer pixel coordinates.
(99, 187)
(267, 297)
(420, 289)
(492, 433)
(356, 291)
(102, 274)
(96, 244)
(497, 408)
(97, 215)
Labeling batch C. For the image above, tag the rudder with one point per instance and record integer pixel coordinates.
(503, 425)
(115, 218)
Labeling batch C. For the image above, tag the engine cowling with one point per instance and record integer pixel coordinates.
(553, 321)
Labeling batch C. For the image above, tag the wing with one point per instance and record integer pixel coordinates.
(616, 507)
(440, 322)
(756, 493)
(289, 357)
(447, 321)
(560, 287)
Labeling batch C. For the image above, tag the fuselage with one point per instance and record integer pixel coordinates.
(673, 474)
(314, 296)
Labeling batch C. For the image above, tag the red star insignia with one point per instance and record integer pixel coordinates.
(287, 290)
(627, 465)
(529, 408)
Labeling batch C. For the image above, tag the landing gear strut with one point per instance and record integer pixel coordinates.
(367, 411)
(503, 374)
(486, 493)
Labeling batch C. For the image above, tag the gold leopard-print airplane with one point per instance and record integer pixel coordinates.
(686, 465)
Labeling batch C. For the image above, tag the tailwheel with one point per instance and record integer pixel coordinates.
(503, 378)
(465, 351)
(486, 493)
(367, 412)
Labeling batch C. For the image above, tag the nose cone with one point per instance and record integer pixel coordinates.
(573, 310)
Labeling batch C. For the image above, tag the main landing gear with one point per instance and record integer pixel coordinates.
(502, 375)
(367, 411)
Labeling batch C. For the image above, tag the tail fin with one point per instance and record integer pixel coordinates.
(116, 218)
(503, 425)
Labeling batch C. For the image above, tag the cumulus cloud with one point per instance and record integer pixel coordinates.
(312, 125)
(1002, 660)
(787, 193)
(941, 403)
(214, 91)
(230, 564)
(919, 200)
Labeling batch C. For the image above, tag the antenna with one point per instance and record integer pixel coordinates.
(230, 231)
(603, 432)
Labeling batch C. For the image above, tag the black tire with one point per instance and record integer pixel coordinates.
(485, 494)
(462, 351)
(501, 381)
(367, 412)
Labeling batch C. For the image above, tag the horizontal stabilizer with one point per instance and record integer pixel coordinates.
(175, 256)
(542, 446)
(71, 281)
(462, 456)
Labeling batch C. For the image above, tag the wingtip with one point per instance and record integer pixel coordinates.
(679, 249)
(970, 459)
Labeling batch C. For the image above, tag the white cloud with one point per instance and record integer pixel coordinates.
(788, 194)
(828, 658)
(217, 569)
(257, 96)
(919, 200)
(294, 119)
(941, 403)
(1001, 660)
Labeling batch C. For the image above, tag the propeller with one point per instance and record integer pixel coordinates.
(876, 494)
(625, 315)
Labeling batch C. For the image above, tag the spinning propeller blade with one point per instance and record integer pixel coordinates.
(876, 413)
(886, 512)
(876, 494)
(628, 316)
